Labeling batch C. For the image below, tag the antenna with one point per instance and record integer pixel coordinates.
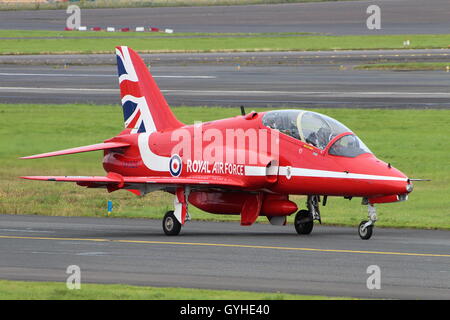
(242, 110)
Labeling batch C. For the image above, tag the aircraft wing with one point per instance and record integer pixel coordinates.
(115, 181)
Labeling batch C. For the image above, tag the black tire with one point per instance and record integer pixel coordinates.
(304, 222)
(170, 224)
(367, 233)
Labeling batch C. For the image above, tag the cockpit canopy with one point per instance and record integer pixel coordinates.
(316, 129)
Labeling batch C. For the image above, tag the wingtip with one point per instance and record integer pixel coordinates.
(28, 178)
(39, 178)
(36, 156)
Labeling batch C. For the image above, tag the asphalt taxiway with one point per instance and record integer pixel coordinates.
(333, 261)
(272, 80)
(333, 17)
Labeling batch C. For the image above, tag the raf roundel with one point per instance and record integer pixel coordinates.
(175, 165)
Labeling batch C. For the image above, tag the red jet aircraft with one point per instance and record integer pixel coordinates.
(247, 165)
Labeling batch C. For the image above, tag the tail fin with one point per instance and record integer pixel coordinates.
(144, 106)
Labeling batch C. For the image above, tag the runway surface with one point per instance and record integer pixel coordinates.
(341, 17)
(414, 264)
(272, 80)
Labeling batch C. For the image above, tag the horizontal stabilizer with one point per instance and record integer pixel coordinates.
(92, 147)
(99, 179)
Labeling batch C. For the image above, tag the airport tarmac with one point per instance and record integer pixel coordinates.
(333, 17)
(332, 261)
(276, 80)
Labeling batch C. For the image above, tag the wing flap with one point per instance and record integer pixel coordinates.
(92, 147)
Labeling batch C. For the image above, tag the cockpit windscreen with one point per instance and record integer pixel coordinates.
(310, 127)
(348, 146)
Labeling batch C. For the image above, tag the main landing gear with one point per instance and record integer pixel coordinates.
(304, 219)
(365, 228)
(170, 224)
(174, 220)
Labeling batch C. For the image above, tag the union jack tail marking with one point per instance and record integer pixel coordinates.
(144, 107)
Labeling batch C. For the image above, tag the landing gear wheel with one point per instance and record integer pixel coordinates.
(304, 222)
(365, 233)
(171, 225)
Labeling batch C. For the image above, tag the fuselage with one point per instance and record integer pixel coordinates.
(264, 159)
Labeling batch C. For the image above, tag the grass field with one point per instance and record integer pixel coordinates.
(266, 42)
(414, 141)
(406, 66)
(28, 290)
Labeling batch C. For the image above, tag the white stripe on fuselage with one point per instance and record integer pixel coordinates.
(302, 172)
(159, 163)
(151, 160)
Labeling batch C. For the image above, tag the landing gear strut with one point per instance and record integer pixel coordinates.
(174, 220)
(365, 228)
(313, 206)
(304, 219)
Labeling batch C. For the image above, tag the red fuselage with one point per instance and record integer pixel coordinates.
(300, 168)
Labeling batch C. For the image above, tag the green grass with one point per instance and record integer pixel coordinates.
(28, 290)
(414, 141)
(406, 66)
(230, 43)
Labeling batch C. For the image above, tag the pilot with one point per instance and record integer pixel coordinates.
(278, 124)
(271, 121)
(353, 145)
(289, 129)
(312, 139)
(337, 148)
(323, 137)
(293, 130)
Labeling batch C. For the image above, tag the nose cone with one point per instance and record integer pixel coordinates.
(381, 177)
(404, 186)
(393, 180)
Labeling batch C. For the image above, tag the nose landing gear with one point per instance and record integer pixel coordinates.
(365, 228)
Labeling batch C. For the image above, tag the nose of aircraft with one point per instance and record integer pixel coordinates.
(409, 186)
(382, 179)
(387, 180)
(396, 181)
